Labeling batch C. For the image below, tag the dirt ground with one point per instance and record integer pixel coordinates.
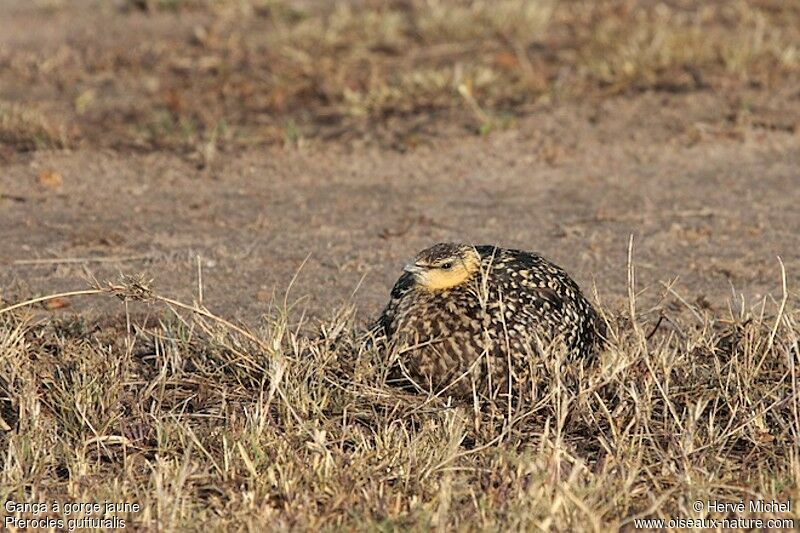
(716, 214)
(710, 199)
(242, 148)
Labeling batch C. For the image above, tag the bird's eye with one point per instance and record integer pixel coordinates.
(447, 266)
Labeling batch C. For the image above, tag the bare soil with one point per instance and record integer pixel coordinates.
(707, 180)
(237, 150)
(571, 183)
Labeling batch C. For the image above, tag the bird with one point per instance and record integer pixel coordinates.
(466, 319)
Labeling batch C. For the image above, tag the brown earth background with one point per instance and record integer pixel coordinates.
(268, 145)
(137, 137)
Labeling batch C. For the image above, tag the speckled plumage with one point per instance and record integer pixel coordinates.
(506, 305)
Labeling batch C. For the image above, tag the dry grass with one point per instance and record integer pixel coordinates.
(271, 71)
(199, 422)
(25, 129)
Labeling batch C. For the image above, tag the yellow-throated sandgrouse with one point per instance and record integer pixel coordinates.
(460, 314)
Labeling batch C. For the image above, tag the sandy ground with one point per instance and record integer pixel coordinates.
(710, 201)
(712, 211)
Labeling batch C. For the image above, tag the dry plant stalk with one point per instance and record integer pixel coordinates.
(302, 430)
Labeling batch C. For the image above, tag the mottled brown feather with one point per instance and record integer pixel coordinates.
(512, 306)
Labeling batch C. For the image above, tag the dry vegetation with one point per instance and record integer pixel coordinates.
(270, 71)
(202, 422)
(294, 425)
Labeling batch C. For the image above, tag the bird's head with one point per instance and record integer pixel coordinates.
(444, 266)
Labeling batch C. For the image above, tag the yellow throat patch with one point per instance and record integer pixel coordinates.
(438, 279)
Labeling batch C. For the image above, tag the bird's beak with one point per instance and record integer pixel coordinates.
(413, 269)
